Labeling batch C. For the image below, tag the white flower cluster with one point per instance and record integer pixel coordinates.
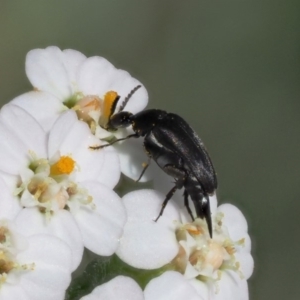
(57, 196)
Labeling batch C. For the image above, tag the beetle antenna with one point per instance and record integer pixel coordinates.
(128, 97)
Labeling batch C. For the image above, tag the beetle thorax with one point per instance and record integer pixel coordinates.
(144, 121)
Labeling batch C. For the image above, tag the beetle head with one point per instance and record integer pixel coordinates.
(110, 120)
(120, 120)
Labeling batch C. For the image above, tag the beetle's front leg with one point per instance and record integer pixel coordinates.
(115, 141)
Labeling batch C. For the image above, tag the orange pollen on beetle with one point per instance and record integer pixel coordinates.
(65, 165)
(109, 100)
(108, 106)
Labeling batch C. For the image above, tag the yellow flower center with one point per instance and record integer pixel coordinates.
(65, 165)
(52, 186)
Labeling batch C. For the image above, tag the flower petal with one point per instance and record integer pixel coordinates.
(121, 287)
(95, 76)
(11, 292)
(10, 180)
(42, 106)
(25, 128)
(132, 157)
(62, 225)
(60, 130)
(246, 263)
(14, 151)
(145, 238)
(201, 288)
(73, 59)
(110, 169)
(98, 76)
(47, 71)
(52, 267)
(10, 205)
(234, 220)
(229, 287)
(101, 227)
(170, 286)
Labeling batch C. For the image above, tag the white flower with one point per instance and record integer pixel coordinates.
(33, 268)
(169, 286)
(174, 286)
(213, 264)
(121, 287)
(67, 79)
(63, 185)
(147, 244)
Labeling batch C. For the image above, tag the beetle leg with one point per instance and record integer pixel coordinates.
(180, 176)
(144, 170)
(186, 204)
(168, 197)
(118, 140)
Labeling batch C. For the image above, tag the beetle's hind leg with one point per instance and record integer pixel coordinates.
(180, 176)
(186, 204)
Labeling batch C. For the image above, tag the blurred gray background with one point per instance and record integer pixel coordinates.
(230, 68)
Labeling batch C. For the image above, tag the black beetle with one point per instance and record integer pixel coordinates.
(177, 150)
